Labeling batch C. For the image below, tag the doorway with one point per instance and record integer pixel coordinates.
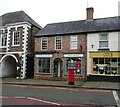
(57, 67)
(8, 66)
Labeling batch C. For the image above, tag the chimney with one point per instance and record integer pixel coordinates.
(90, 11)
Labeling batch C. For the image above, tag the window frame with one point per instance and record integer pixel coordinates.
(73, 41)
(107, 40)
(5, 39)
(13, 39)
(111, 63)
(74, 66)
(37, 68)
(42, 43)
(56, 42)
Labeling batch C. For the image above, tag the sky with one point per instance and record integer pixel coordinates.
(53, 11)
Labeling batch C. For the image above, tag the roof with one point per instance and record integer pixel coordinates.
(82, 26)
(16, 17)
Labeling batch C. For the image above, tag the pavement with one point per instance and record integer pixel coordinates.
(77, 84)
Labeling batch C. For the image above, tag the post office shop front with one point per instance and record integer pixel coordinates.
(52, 66)
(77, 62)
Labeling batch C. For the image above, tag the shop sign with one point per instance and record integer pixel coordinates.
(44, 55)
(107, 54)
(73, 55)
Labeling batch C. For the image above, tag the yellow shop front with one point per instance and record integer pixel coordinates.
(104, 66)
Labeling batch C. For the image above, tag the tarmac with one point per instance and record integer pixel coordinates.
(77, 84)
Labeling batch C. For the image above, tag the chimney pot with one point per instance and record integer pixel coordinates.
(90, 12)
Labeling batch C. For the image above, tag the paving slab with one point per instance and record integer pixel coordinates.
(78, 84)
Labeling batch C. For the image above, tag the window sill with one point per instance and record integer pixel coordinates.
(103, 49)
(15, 45)
(3, 47)
(37, 73)
(105, 74)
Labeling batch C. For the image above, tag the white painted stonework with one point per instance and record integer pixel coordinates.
(93, 40)
(5, 72)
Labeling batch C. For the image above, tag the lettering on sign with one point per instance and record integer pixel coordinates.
(73, 55)
(44, 55)
(107, 54)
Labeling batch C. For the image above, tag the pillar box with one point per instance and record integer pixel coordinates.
(71, 68)
(71, 76)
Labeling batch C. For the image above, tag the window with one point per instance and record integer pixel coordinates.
(44, 43)
(109, 66)
(103, 41)
(16, 38)
(43, 65)
(73, 42)
(75, 63)
(58, 42)
(4, 39)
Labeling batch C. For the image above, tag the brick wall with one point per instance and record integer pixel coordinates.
(82, 42)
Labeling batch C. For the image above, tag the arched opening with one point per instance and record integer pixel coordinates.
(58, 67)
(8, 66)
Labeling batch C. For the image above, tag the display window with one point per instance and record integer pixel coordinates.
(107, 66)
(43, 65)
(75, 63)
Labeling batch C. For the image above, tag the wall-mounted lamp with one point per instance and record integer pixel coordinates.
(92, 46)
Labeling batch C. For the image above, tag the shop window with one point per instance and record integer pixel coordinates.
(109, 66)
(43, 65)
(44, 42)
(95, 67)
(118, 65)
(114, 65)
(75, 63)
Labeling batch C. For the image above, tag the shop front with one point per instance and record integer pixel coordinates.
(50, 66)
(104, 66)
(77, 62)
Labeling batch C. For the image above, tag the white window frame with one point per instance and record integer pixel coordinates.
(13, 42)
(3, 46)
(42, 43)
(73, 39)
(56, 42)
(104, 41)
(47, 56)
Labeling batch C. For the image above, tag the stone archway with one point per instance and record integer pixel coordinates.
(8, 66)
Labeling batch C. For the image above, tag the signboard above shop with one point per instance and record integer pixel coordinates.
(44, 55)
(73, 55)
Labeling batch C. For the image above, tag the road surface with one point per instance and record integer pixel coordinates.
(58, 96)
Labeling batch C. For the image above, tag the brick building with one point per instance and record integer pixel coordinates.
(90, 46)
(58, 45)
(17, 31)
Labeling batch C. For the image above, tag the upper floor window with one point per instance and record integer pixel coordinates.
(58, 41)
(4, 39)
(44, 42)
(16, 38)
(103, 41)
(73, 42)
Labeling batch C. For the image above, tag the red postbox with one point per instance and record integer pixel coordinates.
(71, 76)
(71, 68)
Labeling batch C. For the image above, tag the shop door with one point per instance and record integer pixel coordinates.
(57, 68)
